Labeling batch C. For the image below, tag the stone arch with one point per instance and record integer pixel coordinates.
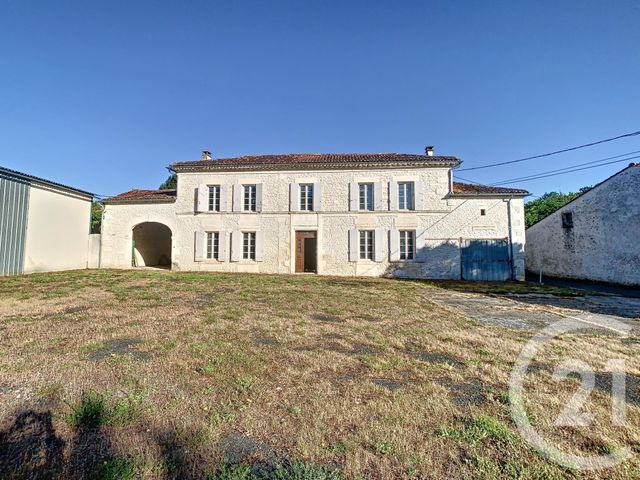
(151, 245)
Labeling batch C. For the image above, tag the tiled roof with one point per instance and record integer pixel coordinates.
(314, 160)
(142, 196)
(475, 189)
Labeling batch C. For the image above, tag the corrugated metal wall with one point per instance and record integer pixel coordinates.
(14, 203)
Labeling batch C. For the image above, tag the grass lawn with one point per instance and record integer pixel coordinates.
(143, 374)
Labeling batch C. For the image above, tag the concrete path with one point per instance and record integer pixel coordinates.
(601, 288)
(535, 311)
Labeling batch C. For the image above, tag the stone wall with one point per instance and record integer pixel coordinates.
(440, 223)
(603, 244)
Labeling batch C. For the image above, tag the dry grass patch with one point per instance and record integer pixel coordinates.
(176, 375)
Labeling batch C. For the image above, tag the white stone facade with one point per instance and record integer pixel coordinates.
(603, 242)
(440, 220)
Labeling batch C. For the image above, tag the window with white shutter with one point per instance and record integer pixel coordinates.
(365, 196)
(214, 198)
(405, 196)
(249, 198)
(367, 239)
(213, 246)
(306, 197)
(249, 245)
(407, 244)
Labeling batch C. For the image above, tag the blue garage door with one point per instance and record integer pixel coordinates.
(486, 260)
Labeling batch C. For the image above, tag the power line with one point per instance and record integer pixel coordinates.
(470, 181)
(632, 134)
(569, 171)
(570, 167)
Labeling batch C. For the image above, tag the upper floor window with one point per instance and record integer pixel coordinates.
(214, 198)
(407, 244)
(213, 245)
(306, 197)
(405, 196)
(366, 244)
(249, 199)
(365, 196)
(249, 245)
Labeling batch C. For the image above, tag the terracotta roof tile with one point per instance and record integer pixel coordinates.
(311, 160)
(475, 189)
(135, 196)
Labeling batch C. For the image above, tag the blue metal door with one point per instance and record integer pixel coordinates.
(486, 260)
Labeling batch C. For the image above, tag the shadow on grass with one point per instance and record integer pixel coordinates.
(31, 448)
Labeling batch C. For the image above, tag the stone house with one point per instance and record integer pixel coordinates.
(44, 225)
(331, 214)
(594, 237)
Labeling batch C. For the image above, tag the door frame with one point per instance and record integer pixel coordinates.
(300, 235)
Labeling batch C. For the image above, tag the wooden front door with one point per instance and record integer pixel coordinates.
(306, 252)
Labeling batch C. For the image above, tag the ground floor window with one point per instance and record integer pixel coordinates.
(249, 246)
(213, 245)
(366, 244)
(407, 244)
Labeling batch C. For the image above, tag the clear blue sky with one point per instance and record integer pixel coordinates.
(104, 95)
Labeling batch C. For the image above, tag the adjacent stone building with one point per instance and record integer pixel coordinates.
(594, 237)
(331, 214)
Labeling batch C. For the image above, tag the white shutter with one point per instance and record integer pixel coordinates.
(377, 196)
(236, 246)
(259, 246)
(294, 197)
(393, 196)
(223, 198)
(421, 254)
(418, 196)
(353, 196)
(394, 245)
(200, 246)
(317, 197)
(202, 198)
(354, 252)
(378, 244)
(222, 246)
(237, 197)
(258, 197)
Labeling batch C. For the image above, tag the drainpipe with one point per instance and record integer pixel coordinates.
(512, 263)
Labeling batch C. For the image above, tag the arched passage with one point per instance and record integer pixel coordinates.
(151, 245)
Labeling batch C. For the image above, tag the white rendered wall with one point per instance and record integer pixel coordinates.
(57, 231)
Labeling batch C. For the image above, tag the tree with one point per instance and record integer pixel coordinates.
(96, 216)
(536, 210)
(171, 183)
